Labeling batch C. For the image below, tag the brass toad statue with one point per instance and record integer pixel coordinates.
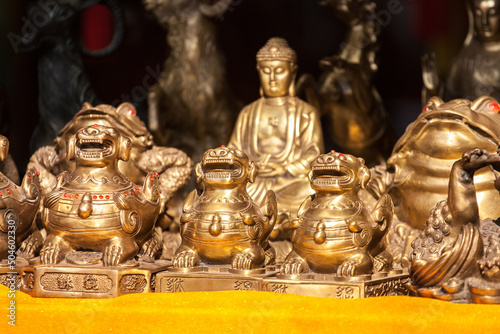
(221, 224)
(18, 207)
(96, 207)
(455, 256)
(417, 173)
(335, 233)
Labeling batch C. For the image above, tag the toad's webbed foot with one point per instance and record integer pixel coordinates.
(186, 259)
(490, 263)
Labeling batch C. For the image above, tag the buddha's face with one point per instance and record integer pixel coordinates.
(487, 19)
(276, 77)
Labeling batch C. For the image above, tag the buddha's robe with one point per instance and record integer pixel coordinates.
(289, 135)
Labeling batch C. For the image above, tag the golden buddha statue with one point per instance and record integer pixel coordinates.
(279, 132)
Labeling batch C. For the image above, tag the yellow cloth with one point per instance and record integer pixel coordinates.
(244, 312)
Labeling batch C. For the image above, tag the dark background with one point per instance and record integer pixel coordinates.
(312, 30)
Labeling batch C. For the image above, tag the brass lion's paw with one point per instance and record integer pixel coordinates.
(243, 261)
(186, 259)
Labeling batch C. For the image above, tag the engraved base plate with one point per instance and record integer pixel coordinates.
(11, 276)
(90, 281)
(331, 286)
(212, 278)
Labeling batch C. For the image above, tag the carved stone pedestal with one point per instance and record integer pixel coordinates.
(90, 281)
(212, 278)
(331, 286)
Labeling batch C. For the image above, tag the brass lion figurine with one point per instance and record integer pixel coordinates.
(335, 233)
(221, 224)
(173, 166)
(96, 207)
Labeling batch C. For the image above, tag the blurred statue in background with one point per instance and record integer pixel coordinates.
(62, 84)
(475, 71)
(189, 107)
(359, 124)
(279, 132)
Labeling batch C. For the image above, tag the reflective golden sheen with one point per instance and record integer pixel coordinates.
(96, 207)
(447, 259)
(335, 232)
(418, 170)
(18, 207)
(173, 166)
(279, 132)
(221, 224)
(358, 122)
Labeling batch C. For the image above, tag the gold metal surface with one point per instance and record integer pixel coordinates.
(447, 260)
(95, 207)
(418, 170)
(475, 70)
(11, 272)
(173, 166)
(18, 208)
(335, 232)
(221, 224)
(91, 280)
(212, 278)
(392, 283)
(349, 99)
(191, 107)
(279, 132)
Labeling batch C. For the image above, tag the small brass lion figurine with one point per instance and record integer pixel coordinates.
(221, 224)
(335, 233)
(96, 207)
(18, 207)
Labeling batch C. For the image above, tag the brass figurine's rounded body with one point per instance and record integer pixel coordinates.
(96, 207)
(335, 233)
(221, 224)
(173, 166)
